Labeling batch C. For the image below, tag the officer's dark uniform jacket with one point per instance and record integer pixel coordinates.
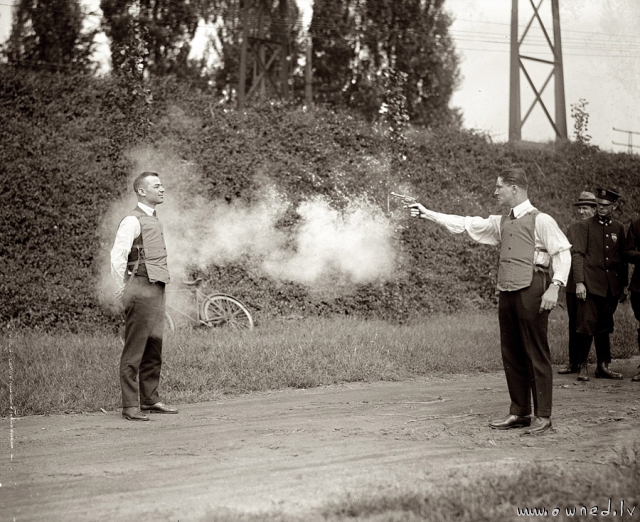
(148, 256)
(598, 256)
(632, 244)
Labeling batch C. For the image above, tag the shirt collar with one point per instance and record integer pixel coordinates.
(146, 209)
(522, 209)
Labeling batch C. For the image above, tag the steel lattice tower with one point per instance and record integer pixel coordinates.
(518, 61)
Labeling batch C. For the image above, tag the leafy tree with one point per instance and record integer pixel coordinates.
(167, 28)
(129, 99)
(366, 37)
(333, 35)
(580, 121)
(50, 34)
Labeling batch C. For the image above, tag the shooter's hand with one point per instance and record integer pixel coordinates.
(418, 210)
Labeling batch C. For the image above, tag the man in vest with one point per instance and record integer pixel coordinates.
(601, 275)
(139, 268)
(586, 208)
(632, 256)
(531, 244)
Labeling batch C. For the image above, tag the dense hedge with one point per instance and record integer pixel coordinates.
(60, 175)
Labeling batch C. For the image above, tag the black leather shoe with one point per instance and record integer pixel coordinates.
(512, 421)
(539, 426)
(636, 377)
(583, 373)
(133, 414)
(603, 372)
(158, 407)
(569, 368)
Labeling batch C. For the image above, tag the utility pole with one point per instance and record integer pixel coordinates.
(517, 64)
(308, 73)
(630, 146)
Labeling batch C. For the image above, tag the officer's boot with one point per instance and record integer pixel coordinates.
(583, 372)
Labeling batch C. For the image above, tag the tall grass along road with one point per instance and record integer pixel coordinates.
(55, 373)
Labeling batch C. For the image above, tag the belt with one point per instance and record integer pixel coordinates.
(145, 277)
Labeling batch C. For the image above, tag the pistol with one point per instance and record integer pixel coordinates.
(407, 200)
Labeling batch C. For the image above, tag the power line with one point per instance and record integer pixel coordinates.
(563, 30)
(328, 24)
(602, 49)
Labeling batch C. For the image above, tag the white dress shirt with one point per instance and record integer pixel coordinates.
(548, 236)
(128, 230)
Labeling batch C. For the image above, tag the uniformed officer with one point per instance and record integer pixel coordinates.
(600, 274)
(632, 256)
(585, 208)
(139, 268)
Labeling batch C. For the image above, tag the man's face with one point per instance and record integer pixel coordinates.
(152, 191)
(505, 194)
(605, 207)
(586, 211)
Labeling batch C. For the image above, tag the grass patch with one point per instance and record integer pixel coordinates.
(55, 373)
(487, 499)
(536, 491)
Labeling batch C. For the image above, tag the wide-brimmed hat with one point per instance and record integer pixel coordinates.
(586, 198)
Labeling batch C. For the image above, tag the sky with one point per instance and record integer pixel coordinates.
(601, 54)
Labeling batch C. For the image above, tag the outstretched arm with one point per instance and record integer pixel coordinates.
(482, 230)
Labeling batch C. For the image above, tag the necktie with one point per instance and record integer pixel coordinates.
(512, 214)
(154, 214)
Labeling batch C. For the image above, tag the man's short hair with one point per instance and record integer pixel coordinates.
(515, 176)
(138, 182)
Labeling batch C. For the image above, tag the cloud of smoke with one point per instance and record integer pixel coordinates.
(327, 246)
(353, 244)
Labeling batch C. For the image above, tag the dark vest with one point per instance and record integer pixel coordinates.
(148, 256)
(517, 252)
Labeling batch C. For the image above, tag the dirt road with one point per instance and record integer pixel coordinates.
(297, 449)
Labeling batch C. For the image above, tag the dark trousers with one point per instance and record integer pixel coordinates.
(572, 312)
(595, 322)
(141, 359)
(525, 348)
(635, 306)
